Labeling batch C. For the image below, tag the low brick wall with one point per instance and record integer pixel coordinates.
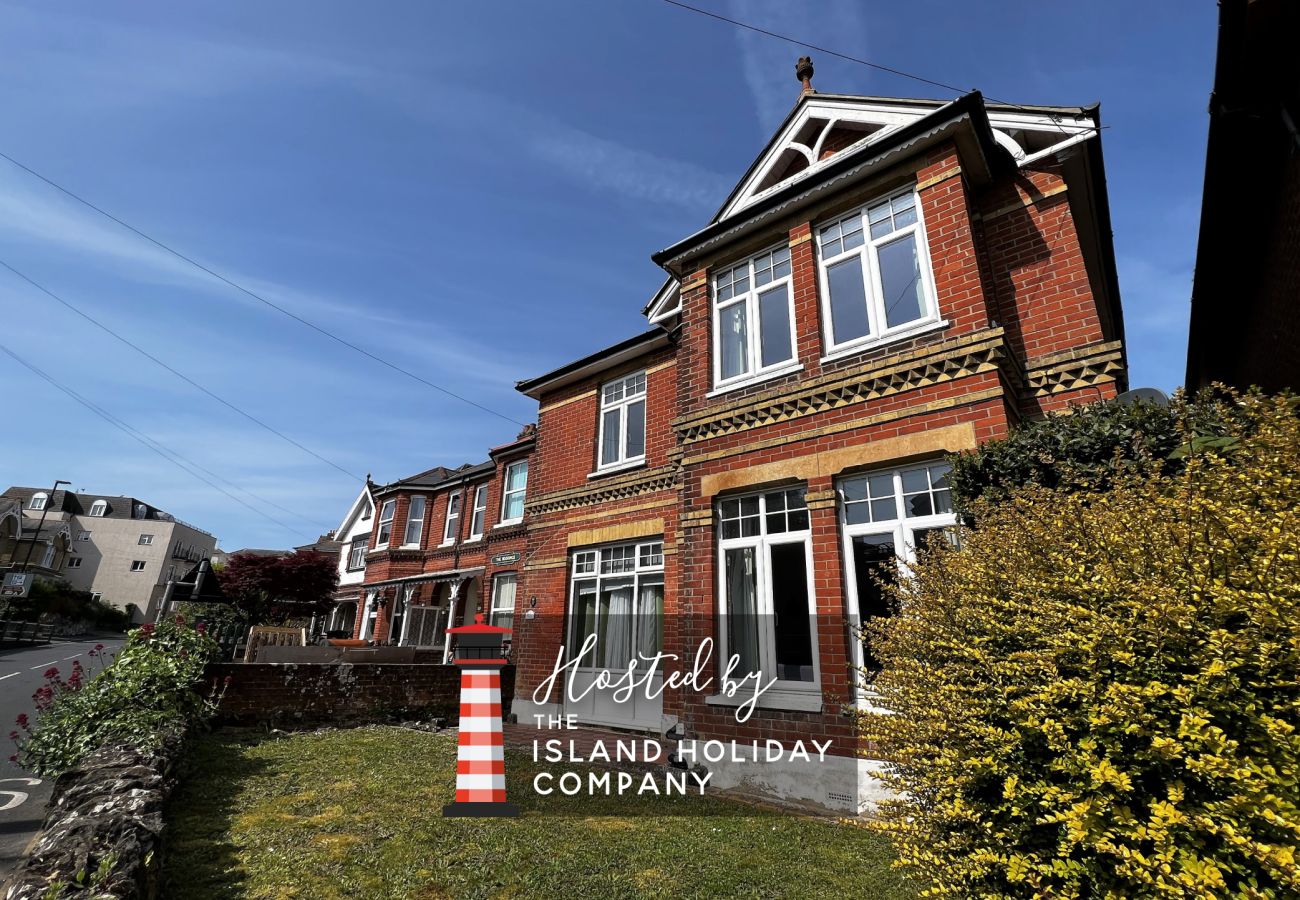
(301, 695)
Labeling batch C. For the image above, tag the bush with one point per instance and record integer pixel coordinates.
(54, 601)
(1098, 694)
(149, 691)
(1089, 448)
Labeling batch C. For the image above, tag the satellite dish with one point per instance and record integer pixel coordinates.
(1149, 395)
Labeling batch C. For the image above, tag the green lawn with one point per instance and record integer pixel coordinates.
(358, 814)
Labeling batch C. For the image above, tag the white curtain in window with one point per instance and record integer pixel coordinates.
(618, 625)
(742, 609)
(649, 624)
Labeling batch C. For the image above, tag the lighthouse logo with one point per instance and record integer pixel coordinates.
(480, 751)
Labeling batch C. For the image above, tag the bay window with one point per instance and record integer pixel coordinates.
(622, 422)
(766, 588)
(385, 523)
(512, 497)
(414, 522)
(875, 271)
(887, 518)
(753, 315)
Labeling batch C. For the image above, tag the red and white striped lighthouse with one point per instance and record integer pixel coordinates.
(480, 751)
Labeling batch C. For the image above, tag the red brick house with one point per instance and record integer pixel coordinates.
(890, 281)
(445, 544)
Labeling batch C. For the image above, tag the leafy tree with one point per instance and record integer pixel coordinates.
(1090, 447)
(274, 589)
(1098, 693)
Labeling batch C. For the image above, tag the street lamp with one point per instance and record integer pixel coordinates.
(40, 525)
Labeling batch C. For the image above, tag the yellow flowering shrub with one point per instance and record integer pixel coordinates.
(1098, 694)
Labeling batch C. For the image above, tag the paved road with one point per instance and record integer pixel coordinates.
(22, 796)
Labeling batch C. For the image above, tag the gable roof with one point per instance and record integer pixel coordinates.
(818, 143)
(363, 503)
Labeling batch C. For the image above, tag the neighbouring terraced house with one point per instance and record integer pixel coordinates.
(890, 282)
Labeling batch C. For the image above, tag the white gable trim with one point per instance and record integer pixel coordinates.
(819, 116)
(362, 504)
(666, 303)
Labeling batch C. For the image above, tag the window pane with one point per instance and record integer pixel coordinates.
(882, 485)
(848, 300)
(742, 609)
(872, 556)
(798, 520)
(610, 440)
(883, 510)
(616, 608)
(635, 429)
(774, 330)
(918, 505)
(942, 502)
(854, 489)
(900, 279)
(733, 340)
(650, 620)
(915, 480)
(794, 660)
(584, 622)
(856, 513)
(517, 476)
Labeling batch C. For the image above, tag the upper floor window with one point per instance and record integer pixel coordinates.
(38, 501)
(74, 562)
(622, 421)
(753, 308)
(146, 539)
(48, 560)
(83, 535)
(452, 527)
(512, 498)
(875, 273)
(414, 522)
(99, 508)
(479, 512)
(357, 553)
(386, 513)
(137, 565)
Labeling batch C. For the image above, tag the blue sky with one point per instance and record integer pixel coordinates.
(471, 191)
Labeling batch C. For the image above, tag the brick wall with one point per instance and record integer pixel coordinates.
(302, 695)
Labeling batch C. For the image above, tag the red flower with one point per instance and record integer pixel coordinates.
(22, 720)
(52, 672)
(146, 629)
(180, 620)
(201, 628)
(13, 735)
(14, 758)
(228, 680)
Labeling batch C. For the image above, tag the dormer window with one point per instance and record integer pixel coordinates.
(38, 501)
(385, 523)
(753, 308)
(876, 281)
(99, 509)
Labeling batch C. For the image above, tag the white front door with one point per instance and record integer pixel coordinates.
(616, 610)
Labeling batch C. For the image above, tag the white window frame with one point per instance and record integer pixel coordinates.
(451, 528)
(869, 251)
(83, 536)
(901, 528)
(74, 562)
(146, 540)
(138, 565)
(359, 543)
(641, 562)
(497, 605)
(369, 616)
(762, 543)
(416, 521)
(96, 596)
(756, 372)
(635, 382)
(507, 494)
(478, 513)
(389, 509)
(98, 509)
(38, 501)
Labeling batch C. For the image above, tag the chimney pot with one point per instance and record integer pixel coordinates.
(803, 71)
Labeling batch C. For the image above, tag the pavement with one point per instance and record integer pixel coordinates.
(23, 797)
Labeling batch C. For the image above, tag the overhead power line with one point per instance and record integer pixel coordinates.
(180, 461)
(853, 59)
(181, 375)
(251, 293)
